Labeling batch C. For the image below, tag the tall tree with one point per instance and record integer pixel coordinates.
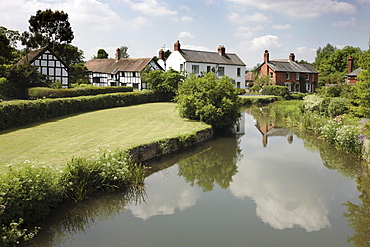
(102, 54)
(49, 28)
(123, 52)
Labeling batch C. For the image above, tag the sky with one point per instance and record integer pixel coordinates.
(245, 27)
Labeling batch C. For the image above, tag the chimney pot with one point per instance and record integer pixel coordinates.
(292, 57)
(266, 56)
(161, 54)
(118, 54)
(222, 50)
(177, 46)
(350, 64)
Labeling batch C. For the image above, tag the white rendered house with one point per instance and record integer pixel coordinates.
(199, 62)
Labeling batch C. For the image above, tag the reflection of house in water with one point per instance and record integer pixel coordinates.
(270, 129)
(240, 127)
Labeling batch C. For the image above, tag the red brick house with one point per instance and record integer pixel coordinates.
(289, 73)
(351, 77)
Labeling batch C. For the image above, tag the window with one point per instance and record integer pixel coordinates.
(181, 67)
(287, 76)
(297, 76)
(307, 77)
(271, 75)
(238, 72)
(221, 71)
(195, 69)
(238, 84)
(289, 86)
(133, 74)
(308, 87)
(208, 69)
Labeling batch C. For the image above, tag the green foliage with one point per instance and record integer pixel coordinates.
(123, 51)
(43, 92)
(209, 99)
(338, 90)
(257, 100)
(19, 78)
(362, 92)
(160, 81)
(275, 90)
(107, 171)
(17, 113)
(255, 88)
(102, 54)
(12, 235)
(338, 106)
(241, 91)
(49, 28)
(264, 80)
(312, 103)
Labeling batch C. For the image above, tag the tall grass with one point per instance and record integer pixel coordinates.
(30, 192)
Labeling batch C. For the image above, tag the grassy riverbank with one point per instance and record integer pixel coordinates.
(55, 142)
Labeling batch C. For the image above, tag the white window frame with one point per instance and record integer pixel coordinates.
(297, 76)
(287, 76)
(195, 69)
(307, 77)
(271, 75)
(221, 71)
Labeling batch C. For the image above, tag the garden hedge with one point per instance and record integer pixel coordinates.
(44, 92)
(17, 113)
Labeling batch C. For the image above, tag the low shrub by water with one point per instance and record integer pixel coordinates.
(29, 193)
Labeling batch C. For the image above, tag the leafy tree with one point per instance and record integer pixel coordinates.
(102, 54)
(123, 52)
(49, 28)
(160, 81)
(19, 78)
(13, 36)
(363, 86)
(77, 74)
(5, 50)
(209, 99)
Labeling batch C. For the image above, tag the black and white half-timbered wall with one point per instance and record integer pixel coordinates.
(48, 63)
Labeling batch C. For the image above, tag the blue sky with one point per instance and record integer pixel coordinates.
(244, 27)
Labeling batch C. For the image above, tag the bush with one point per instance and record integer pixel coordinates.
(241, 91)
(209, 99)
(275, 90)
(312, 103)
(44, 92)
(17, 113)
(338, 106)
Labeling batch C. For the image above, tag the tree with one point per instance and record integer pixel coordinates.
(123, 52)
(209, 99)
(77, 74)
(48, 28)
(5, 50)
(102, 54)
(8, 42)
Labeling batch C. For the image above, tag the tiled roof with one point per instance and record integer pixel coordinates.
(249, 76)
(290, 66)
(354, 73)
(112, 66)
(32, 55)
(211, 57)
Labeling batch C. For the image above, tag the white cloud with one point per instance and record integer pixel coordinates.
(185, 34)
(238, 19)
(186, 18)
(247, 32)
(151, 7)
(350, 23)
(281, 27)
(265, 42)
(301, 8)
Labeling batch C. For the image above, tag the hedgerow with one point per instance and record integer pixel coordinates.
(44, 92)
(17, 113)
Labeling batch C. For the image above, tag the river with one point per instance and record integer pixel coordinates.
(265, 186)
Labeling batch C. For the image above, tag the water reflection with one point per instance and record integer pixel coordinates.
(282, 185)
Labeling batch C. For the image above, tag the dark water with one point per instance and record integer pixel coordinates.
(264, 187)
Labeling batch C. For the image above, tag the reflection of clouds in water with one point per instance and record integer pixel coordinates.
(165, 194)
(286, 195)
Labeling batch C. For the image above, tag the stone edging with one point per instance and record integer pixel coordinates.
(167, 146)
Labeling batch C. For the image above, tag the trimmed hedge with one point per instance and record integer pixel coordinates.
(44, 92)
(17, 113)
(275, 90)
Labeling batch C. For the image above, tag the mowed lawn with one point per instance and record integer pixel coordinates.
(55, 142)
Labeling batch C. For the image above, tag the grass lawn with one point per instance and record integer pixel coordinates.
(56, 141)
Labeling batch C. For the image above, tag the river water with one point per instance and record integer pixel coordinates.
(264, 187)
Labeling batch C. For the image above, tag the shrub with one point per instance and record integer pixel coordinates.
(209, 99)
(275, 90)
(338, 106)
(312, 103)
(347, 138)
(241, 91)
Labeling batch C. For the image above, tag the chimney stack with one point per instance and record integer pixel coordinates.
(292, 57)
(222, 50)
(266, 56)
(176, 46)
(118, 54)
(161, 54)
(350, 64)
